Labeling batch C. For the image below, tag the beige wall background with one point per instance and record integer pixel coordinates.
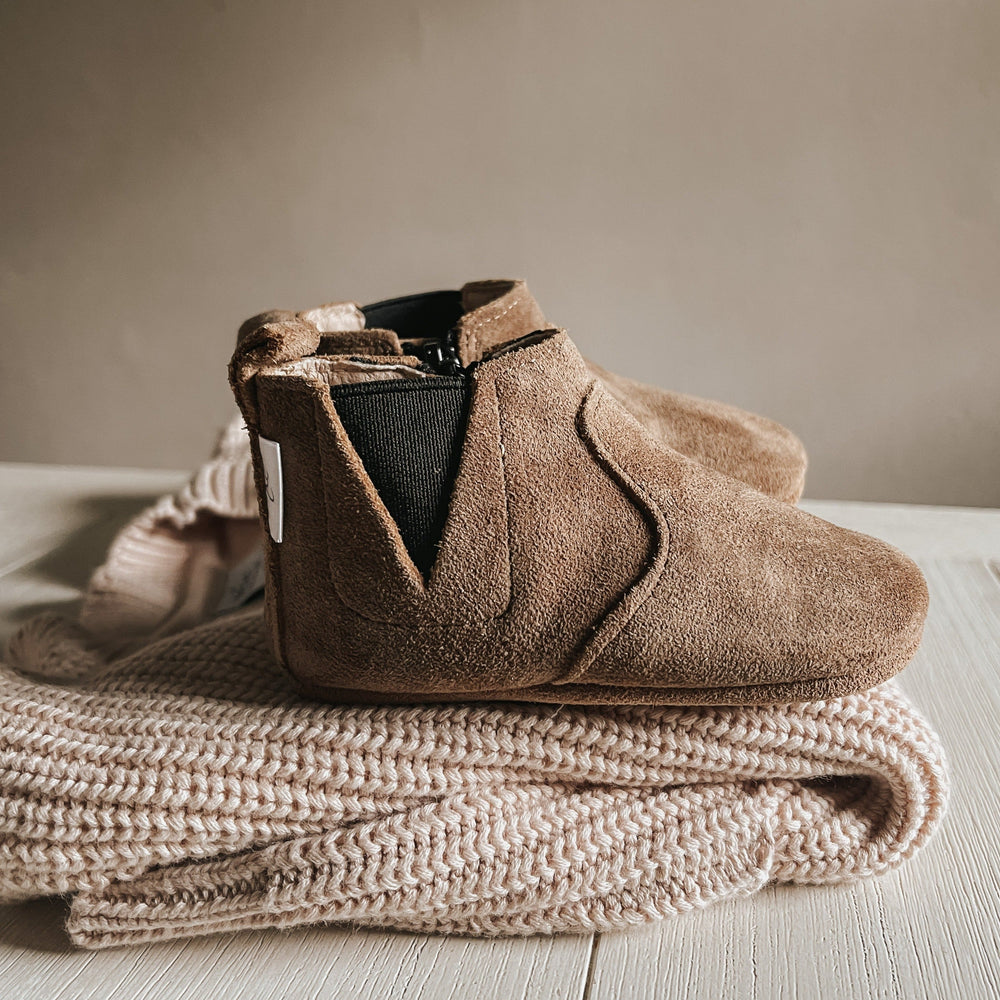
(790, 206)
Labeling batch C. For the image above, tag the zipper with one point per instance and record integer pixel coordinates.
(439, 356)
(525, 340)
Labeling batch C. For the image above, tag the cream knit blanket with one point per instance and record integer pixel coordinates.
(184, 789)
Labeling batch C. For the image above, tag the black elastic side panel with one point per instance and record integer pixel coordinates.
(408, 433)
(429, 314)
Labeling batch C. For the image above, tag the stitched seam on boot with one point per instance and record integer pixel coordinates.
(502, 442)
(778, 692)
(609, 626)
(515, 361)
(478, 326)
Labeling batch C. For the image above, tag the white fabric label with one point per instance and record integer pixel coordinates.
(270, 455)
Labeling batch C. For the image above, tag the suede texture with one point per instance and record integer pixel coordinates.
(760, 452)
(583, 560)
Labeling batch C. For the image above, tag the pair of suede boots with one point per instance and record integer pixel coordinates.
(459, 507)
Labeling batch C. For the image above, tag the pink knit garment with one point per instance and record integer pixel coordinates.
(185, 788)
(166, 570)
(484, 820)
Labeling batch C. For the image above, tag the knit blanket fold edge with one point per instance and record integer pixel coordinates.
(185, 789)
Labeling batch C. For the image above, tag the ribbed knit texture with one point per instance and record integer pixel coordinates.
(163, 572)
(185, 789)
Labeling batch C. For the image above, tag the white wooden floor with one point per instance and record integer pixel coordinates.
(930, 930)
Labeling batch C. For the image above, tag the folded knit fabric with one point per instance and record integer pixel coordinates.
(185, 789)
(183, 558)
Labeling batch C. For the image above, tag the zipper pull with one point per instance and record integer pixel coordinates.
(440, 355)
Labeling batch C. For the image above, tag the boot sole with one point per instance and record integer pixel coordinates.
(816, 689)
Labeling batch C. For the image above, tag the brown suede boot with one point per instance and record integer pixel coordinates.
(487, 314)
(579, 559)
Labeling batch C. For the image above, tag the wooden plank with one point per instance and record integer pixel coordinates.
(69, 514)
(927, 532)
(304, 963)
(931, 929)
(56, 525)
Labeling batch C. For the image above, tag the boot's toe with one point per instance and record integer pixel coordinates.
(759, 601)
(882, 608)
